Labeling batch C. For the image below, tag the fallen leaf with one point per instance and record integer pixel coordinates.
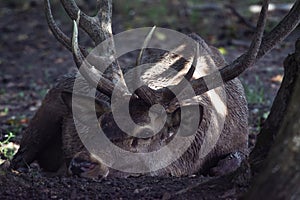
(22, 37)
(24, 121)
(277, 79)
(59, 60)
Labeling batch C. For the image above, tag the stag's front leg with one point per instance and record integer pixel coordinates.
(85, 165)
(42, 138)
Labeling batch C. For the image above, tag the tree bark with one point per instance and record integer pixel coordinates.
(279, 109)
(280, 176)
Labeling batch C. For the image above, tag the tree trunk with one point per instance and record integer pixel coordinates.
(279, 109)
(280, 176)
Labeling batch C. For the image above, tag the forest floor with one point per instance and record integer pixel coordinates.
(31, 60)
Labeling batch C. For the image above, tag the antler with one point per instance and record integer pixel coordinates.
(281, 31)
(99, 29)
(259, 47)
(89, 72)
(58, 34)
(239, 65)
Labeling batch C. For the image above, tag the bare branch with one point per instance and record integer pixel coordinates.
(240, 17)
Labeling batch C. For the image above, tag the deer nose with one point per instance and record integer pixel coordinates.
(77, 167)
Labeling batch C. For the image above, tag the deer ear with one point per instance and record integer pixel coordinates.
(85, 105)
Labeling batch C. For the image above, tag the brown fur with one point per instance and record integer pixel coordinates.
(51, 137)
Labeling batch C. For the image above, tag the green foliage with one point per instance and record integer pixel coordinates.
(7, 148)
(21, 94)
(166, 13)
(4, 112)
(142, 13)
(255, 96)
(2, 91)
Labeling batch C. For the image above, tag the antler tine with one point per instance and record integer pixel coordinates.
(248, 59)
(103, 17)
(87, 23)
(99, 29)
(145, 92)
(251, 55)
(145, 44)
(281, 31)
(57, 32)
(234, 69)
(267, 43)
(86, 70)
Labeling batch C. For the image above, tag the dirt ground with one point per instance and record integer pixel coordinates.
(30, 62)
